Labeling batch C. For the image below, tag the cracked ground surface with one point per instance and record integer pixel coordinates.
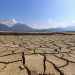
(37, 54)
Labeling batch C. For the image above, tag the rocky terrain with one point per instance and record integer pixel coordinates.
(37, 54)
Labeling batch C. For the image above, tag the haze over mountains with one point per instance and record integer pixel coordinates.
(13, 25)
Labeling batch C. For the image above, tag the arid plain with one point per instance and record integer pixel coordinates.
(37, 54)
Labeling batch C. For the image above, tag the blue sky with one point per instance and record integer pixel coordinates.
(39, 13)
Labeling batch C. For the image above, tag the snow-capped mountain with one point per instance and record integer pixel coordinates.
(18, 27)
(9, 22)
(14, 25)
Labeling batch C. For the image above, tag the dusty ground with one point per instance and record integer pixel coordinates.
(37, 54)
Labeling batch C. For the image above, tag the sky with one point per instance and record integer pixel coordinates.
(39, 14)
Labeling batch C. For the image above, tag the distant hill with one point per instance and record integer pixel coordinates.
(70, 28)
(51, 30)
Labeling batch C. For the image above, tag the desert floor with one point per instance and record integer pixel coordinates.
(37, 54)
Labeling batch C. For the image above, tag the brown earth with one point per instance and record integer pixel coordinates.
(37, 54)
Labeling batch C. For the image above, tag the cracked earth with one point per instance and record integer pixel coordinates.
(37, 54)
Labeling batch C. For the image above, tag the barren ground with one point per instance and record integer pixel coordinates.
(37, 54)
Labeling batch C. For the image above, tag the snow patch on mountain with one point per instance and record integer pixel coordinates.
(10, 22)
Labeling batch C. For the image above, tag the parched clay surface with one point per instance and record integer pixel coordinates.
(37, 54)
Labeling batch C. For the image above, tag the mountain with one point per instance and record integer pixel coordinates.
(9, 22)
(51, 30)
(21, 27)
(4, 27)
(25, 28)
(70, 28)
(16, 27)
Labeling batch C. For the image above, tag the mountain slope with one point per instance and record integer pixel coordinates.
(3, 27)
(21, 27)
(51, 30)
(70, 28)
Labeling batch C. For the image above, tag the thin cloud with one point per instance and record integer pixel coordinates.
(9, 22)
(54, 24)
